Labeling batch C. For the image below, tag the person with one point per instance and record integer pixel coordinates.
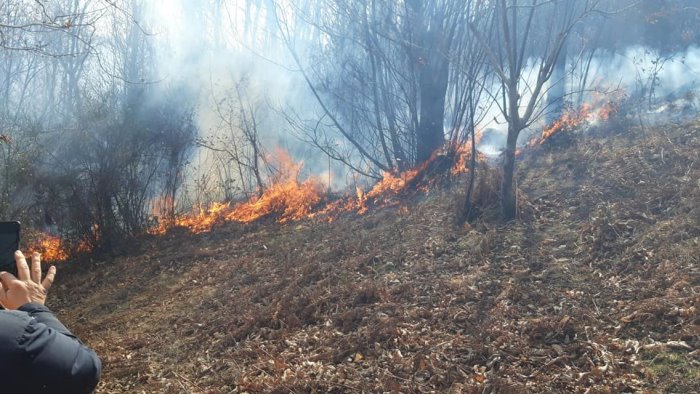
(37, 353)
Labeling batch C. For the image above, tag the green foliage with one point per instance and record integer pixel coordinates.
(667, 366)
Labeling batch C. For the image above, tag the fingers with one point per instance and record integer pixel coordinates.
(22, 266)
(48, 280)
(5, 279)
(36, 267)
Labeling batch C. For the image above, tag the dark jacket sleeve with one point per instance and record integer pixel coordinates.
(57, 358)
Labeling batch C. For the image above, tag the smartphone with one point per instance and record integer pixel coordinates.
(9, 243)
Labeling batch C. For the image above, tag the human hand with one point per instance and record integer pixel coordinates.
(15, 292)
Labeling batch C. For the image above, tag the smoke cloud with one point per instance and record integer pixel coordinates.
(212, 53)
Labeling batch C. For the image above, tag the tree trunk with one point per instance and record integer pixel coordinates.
(433, 87)
(508, 201)
(468, 205)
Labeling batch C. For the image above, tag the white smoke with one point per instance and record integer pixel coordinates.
(214, 58)
(213, 61)
(670, 85)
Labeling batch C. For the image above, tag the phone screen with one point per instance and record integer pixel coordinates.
(9, 243)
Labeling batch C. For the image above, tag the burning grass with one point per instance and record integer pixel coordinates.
(288, 199)
(596, 290)
(293, 200)
(600, 109)
(53, 248)
(50, 247)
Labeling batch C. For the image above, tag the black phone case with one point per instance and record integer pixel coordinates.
(9, 243)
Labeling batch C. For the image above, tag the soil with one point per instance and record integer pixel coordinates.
(595, 289)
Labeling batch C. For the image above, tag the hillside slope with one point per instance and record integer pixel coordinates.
(596, 289)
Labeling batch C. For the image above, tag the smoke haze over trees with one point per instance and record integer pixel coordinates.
(115, 115)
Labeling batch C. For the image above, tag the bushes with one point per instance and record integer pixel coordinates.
(101, 177)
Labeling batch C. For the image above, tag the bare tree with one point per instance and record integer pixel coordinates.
(101, 141)
(382, 74)
(472, 80)
(526, 30)
(236, 142)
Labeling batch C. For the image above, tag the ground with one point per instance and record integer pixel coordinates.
(595, 288)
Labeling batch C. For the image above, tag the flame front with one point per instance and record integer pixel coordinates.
(293, 200)
(598, 110)
(50, 247)
(55, 249)
(289, 199)
(569, 119)
(464, 153)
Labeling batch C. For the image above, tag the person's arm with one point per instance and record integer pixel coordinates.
(58, 359)
(59, 362)
(42, 314)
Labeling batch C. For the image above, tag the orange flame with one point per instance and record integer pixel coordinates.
(607, 110)
(292, 200)
(568, 120)
(50, 247)
(391, 184)
(464, 153)
(287, 197)
(588, 112)
(199, 221)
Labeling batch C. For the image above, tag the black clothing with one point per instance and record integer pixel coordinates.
(39, 355)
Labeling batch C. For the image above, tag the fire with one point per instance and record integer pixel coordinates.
(289, 199)
(568, 120)
(587, 113)
(390, 184)
(198, 221)
(287, 168)
(292, 199)
(50, 247)
(203, 219)
(287, 196)
(54, 249)
(607, 110)
(464, 153)
(463, 156)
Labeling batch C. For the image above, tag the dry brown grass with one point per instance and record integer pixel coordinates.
(603, 263)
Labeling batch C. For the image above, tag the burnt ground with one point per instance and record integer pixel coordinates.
(595, 289)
